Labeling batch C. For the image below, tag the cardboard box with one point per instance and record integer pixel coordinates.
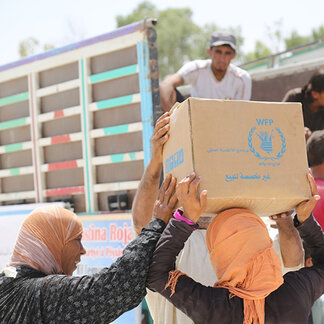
(248, 154)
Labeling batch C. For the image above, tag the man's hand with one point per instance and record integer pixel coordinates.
(192, 205)
(159, 138)
(281, 218)
(305, 208)
(166, 199)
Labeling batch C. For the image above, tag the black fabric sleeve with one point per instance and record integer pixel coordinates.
(311, 232)
(202, 304)
(307, 284)
(168, 247)
(102, 297)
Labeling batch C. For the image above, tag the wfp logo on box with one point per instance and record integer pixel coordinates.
(266, 142)
(174, 160)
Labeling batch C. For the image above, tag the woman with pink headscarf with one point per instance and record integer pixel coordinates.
(250, 286)
(37, 286)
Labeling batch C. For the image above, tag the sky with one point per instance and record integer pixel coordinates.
(62, 22)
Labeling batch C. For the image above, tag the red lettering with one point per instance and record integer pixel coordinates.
(95, 234)
(113, 228)
(120, 234)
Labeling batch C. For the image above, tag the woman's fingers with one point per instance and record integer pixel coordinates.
(193, 187)
(183, 186)
(305, 208)
(310, 204)
(312, 184)
(203, 200)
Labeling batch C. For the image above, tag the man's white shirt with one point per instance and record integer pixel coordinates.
(235, 85)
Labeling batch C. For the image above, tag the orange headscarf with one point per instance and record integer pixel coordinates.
(42, 237)
(245, 263)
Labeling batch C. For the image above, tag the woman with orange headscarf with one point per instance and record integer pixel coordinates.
(37, 286)
(250, 288)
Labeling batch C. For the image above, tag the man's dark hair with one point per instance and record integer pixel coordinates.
(316, 83)
(315, 148)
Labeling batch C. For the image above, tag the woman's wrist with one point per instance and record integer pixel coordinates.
(178, 214)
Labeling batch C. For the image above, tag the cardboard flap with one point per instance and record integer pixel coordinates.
(174, 107)
(177, 151)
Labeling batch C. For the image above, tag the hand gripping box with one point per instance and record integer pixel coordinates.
(249, 154)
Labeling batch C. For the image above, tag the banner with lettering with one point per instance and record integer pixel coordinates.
(104, 237)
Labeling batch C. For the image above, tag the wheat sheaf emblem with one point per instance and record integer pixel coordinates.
(266, 141)
(266, 144)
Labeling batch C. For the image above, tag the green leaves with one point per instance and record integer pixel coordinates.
(179, 38)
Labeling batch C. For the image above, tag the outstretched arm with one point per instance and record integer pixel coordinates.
(309, 282)
(188, 295)
(290, 243)
(104, 296)
(167, 90)
(289, 239)
(118, 288)
(149, 185)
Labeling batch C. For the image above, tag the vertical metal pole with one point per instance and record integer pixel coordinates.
(35, 130)
(86, 126)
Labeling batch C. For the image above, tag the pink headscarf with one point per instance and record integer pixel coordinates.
(42, 237)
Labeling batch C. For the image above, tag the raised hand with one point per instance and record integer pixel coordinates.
(192, 205)
(166, 199)
(282, 217)
(160, 136)
(305, 208)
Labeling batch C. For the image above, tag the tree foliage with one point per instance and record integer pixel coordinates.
(318, 33)
(260, 50)
(28, 46)
(179, 38)
(296, 40)
(279, 43)
(144, 10)
(176, 37)
(31, 46)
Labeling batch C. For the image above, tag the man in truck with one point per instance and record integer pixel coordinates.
(215, 78)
